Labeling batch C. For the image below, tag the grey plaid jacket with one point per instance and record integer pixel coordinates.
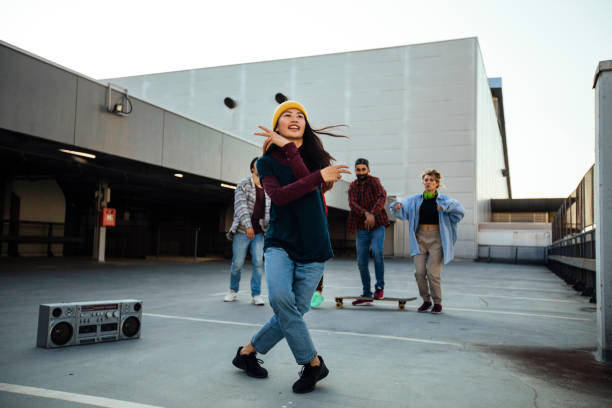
(244, 203)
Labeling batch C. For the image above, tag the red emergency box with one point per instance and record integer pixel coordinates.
(108, 217)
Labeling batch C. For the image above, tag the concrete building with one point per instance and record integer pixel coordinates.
(407, 108)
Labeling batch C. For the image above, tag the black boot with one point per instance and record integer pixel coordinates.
(309, 377)
(251, 364)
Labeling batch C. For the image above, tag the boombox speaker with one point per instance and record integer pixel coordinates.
(69, 324)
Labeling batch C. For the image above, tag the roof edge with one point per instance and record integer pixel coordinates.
(298, 57)
(603, 66)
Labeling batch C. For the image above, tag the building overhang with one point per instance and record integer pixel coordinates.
(498, 101)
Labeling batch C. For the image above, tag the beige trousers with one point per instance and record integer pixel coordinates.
(428, 265)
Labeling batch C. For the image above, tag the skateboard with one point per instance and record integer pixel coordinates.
(401, 302)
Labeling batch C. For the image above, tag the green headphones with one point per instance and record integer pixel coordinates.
(428, 196)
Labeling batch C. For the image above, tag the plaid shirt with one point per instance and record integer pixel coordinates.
(244, 203)
(368, 195)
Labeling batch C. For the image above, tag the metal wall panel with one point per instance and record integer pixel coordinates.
(36, 98)
(191, 147)
(338, 196)
(137, 136)
(392, 99)
(235, 158)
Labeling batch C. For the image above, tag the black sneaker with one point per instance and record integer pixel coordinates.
(309, 377)
(251, 364)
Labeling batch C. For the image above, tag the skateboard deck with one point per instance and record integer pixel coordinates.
(401, 302)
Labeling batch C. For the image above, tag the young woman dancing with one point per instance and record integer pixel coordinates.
(297, 244)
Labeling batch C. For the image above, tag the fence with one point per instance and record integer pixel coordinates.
(577, 213)
(572, 253)
(33, 238)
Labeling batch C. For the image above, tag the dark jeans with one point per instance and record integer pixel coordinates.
(376, 239)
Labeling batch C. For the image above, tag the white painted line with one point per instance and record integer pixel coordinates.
(502, 288)
(504, 313)
(382, 336)
(69, 396)
(337, 332)
(517, 298)
(487, 295)
(196, 319)
(239, 296)
(547, 316)
(507, 288)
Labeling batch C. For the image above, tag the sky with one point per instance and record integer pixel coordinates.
(545, 51)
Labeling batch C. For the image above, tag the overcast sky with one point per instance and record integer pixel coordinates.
(545, 51)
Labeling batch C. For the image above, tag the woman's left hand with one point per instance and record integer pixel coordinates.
(334, 173)
(440, 208)
(272, 138)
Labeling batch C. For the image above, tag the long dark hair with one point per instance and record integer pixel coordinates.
(312, 151)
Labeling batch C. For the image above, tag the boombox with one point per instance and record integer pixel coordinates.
(69, 324)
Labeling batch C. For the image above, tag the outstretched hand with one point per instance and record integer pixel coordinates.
(272, 138)
(334, 173)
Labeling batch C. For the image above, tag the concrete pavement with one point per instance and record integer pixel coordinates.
(510, 336)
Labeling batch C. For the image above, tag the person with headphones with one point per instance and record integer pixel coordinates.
(433, 219)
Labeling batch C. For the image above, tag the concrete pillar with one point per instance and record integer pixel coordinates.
(102, 244)
(99, 241)
(603, 208)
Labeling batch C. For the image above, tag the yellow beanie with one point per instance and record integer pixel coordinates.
(285, 106)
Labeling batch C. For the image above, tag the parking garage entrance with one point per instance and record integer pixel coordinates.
(48, 203)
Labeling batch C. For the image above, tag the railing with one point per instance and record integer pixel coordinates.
(33, 232)
(579, 246)
(577, 213)
(572, 253)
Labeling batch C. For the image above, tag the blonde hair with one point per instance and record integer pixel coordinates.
(433, 173)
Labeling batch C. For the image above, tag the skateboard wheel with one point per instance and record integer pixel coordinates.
(402, 305)
(338, 305)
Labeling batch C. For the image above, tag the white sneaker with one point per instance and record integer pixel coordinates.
(258, 300)
(231, 296)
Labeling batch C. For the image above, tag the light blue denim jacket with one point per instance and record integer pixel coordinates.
(452, 214)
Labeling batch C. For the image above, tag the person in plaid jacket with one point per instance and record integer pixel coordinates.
(368, 217)
(251, 218)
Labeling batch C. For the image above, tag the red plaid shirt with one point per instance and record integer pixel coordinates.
(368, 195)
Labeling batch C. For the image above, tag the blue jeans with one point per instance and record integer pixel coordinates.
(375, 238)
(239, 248)
(290, 289)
